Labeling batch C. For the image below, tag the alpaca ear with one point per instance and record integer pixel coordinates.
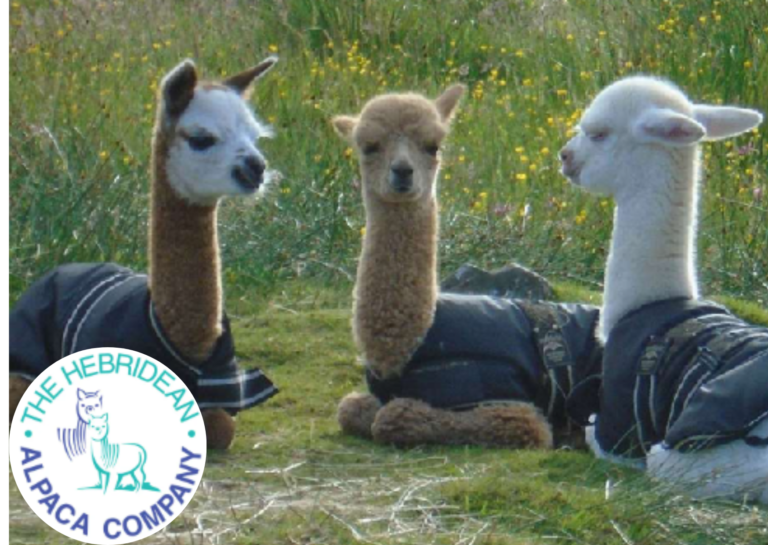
(446, 103)
(80, 394)
(243, 81)
(178, 88)
(726, 121)
(344, 125)
(664, 126)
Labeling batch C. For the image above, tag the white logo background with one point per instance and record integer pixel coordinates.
(137, 413)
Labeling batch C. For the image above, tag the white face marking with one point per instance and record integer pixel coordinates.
(222, 127)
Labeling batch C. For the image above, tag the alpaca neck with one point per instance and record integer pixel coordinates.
(652, 249)
(184, 275)
(105, 452)
(396, 288)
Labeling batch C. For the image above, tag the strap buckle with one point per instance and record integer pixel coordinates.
(554, 350)
(653, 354)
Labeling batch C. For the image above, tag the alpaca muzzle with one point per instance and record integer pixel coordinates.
(401, 178)
(250, 174)
(570, 169)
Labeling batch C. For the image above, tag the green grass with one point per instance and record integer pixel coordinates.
(83, 80)
(291, 477)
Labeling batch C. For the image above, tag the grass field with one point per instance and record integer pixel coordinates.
(292, 478)
(83, 79)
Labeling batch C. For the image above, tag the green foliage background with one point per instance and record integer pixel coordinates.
(83, 79)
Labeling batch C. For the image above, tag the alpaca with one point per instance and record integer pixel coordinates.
(399, 138)
(73, 439)
(203, 148)
(114, 460)
(399, 317)
(689, 392)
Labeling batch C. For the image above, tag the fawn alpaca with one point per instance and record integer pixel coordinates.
(428, 354)
(204, 148)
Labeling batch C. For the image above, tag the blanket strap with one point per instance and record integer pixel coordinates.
(547, 322)
(713, 346)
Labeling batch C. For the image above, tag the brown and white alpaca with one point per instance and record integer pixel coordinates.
(398, 138)
(204, 147)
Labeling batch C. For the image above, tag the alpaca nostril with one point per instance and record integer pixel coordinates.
(401, 178)
(255, 165)
(402, 171)
(565, 155)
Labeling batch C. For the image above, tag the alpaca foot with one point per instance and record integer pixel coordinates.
(516, 425)
(356, 414)
(16, 388)
(408, 422)
(219, 428)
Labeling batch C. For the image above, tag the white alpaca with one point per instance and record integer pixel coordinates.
(638, 142)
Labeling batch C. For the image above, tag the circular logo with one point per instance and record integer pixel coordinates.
(107, 446)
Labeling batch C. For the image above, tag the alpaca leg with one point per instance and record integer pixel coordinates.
(408, 422)
(356, 414)
(16, 387)
(109, 483)
(139, 477)
(519, 425)
(219, 428)
(594, 446)
(736, 469)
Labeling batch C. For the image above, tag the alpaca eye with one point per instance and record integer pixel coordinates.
(370, 149)
(432, 149)
(201, 142)
(598, 136)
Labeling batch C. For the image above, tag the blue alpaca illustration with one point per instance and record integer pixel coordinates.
(112, 460)
(73, 439)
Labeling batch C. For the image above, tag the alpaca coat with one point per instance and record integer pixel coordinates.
(684, 372)
(483, 350)
(80, 306)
